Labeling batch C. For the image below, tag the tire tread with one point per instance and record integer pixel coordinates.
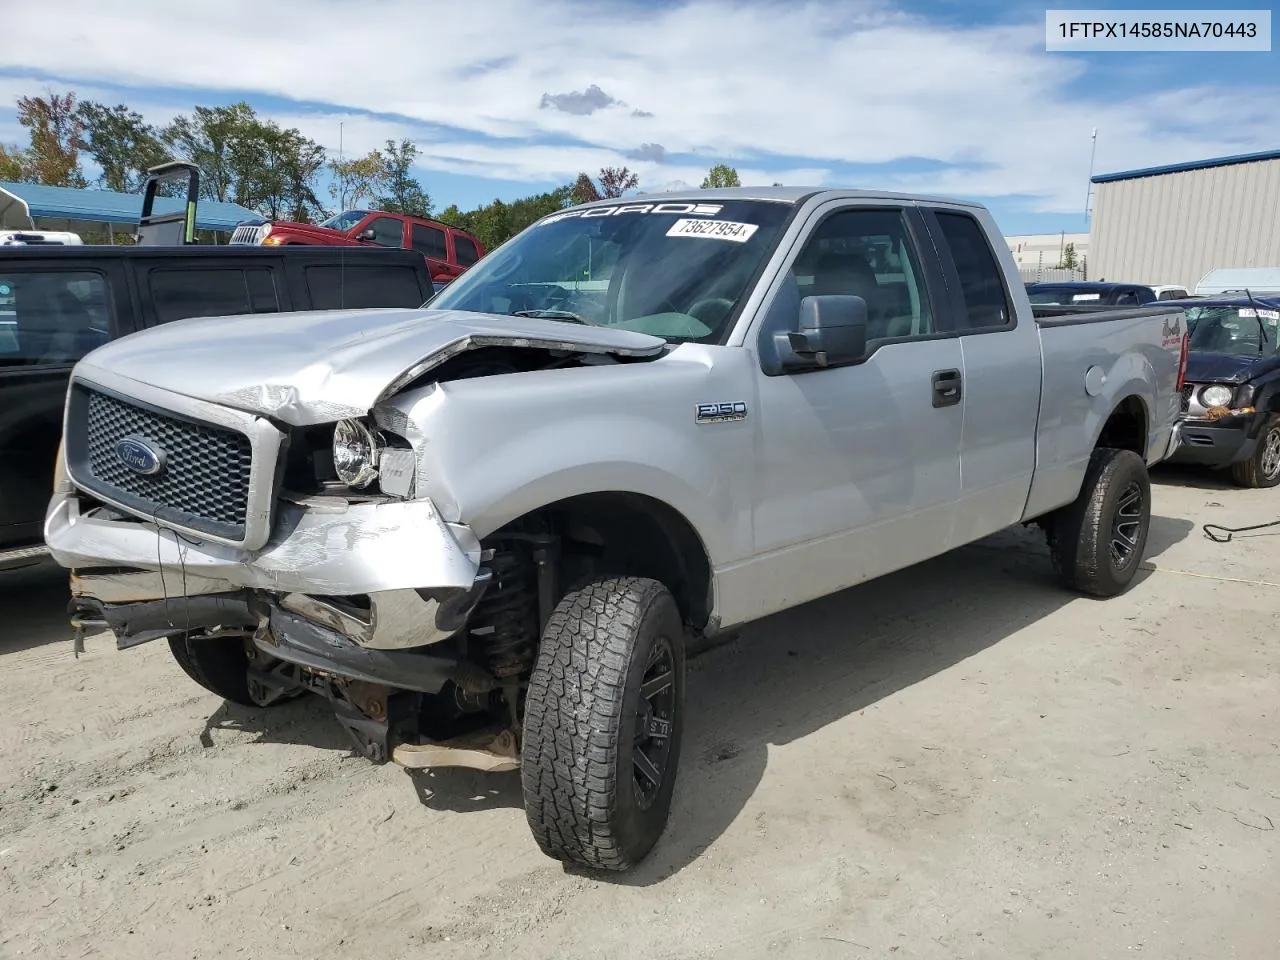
(573, 719)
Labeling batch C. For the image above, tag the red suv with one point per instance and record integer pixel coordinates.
(448, 251)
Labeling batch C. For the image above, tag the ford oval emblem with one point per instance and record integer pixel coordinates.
(140, 455)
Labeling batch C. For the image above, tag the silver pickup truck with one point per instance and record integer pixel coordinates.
(485, 530)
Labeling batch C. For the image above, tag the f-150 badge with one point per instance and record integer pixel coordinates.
(721, 412)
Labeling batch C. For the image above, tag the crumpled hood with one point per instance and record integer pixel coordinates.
(1220, 367)
(317, 366)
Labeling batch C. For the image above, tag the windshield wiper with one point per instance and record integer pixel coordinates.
(1262, 328)
(565, 315)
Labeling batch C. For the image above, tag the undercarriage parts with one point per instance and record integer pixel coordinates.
(491, 750)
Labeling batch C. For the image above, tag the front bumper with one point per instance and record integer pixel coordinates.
(1215, 442)
(413, 577)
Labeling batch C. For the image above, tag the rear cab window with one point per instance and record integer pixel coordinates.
(54, 317)
(983, 299)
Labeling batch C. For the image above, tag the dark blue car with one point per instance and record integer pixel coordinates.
(1231, 398)
(1099, 293)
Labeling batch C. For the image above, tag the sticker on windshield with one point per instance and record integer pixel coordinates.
(1264, 314)
(1081, 297)
(716, 229)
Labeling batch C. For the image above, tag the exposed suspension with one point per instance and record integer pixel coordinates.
(504, 625)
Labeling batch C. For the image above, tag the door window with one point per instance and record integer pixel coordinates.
(387, 231)
(868, 254)
(53, 317)
(465, 249)
(986, 302)
(216, 292)
(357, 287)
(430, 242)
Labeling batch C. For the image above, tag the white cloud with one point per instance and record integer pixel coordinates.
(821, 83)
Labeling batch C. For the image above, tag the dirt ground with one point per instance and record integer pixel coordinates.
(958, 761)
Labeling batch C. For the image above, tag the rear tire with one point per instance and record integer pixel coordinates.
(218, 664)
(604, 716)
(1097, 543)
(1263, 468)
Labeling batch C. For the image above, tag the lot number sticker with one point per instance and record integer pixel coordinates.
(715, 229)
(1260, 314)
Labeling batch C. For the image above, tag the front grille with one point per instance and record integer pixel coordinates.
(1187, 390)
(246, 234)
(204, 480)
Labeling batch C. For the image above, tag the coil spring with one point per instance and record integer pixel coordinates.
(505, 621)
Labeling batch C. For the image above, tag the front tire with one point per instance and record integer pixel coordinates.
(1263, 468)
(603, 723)
(1097, 543)
(218, 664)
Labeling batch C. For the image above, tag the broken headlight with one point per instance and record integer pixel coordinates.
(357, 447)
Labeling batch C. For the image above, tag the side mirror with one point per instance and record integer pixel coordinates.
(832, 331)
(367, 234)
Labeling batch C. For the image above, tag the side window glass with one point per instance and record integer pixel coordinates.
(358, 287)
(465, 249)
(430, 242)
(986, 303)
(868, 254)
(52, 318)
(219, 292)
(387, 231)
(1127, 299)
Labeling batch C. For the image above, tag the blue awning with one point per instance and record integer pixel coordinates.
(107, 206)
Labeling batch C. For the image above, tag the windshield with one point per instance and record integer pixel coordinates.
(1233, 330)
(1062, 296)
(676, 269)
(345, 220)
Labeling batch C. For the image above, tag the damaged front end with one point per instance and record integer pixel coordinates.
(234, 521)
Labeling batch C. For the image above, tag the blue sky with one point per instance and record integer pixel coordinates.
(942, 96)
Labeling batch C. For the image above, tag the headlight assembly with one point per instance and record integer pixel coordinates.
(1216, 396)
(357, 448)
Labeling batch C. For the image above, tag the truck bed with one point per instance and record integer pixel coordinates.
(1093, 360)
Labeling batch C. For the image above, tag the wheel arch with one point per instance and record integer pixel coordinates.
(635, 534)
(1126, 427)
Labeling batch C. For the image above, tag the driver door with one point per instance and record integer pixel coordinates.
(857, 468)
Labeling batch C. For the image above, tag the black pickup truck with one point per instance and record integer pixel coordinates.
(59, 302)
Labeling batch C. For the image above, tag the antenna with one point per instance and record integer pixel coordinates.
(1093, 153)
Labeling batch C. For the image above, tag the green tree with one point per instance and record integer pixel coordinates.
(400, 192)
(1069, 261)
(122, 144)
(13, 163)
(56, 139)
(584, 190)
(497, 222)
(211, 138)
(276, 171)
(254, 162)
(357, 179)
(721, 175)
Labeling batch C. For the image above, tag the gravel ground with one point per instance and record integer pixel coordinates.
(960, 760)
